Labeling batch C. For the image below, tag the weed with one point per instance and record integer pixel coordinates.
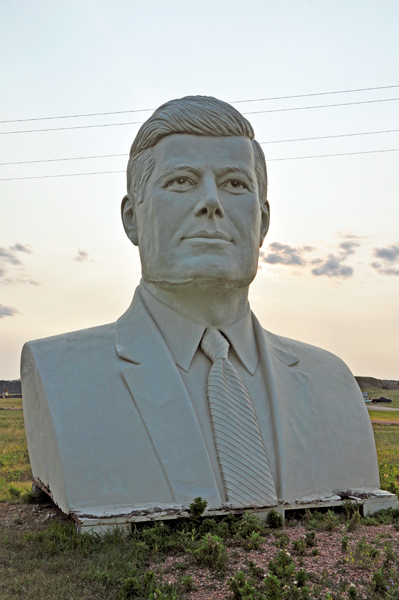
(282, 539)
(354, 521)
(350, 508)
(248, 525)
(345, 543)
(365, 555)
(14, 491)
(310, 539)
(320, 521)
(352, 593)
(187, 583)
(274, 519)
(282, 567)
(254, 570)
(378, 582)
(299, 546)
(211, 553)
(197, 507)
(241, 588)
(331, 520)
(254, 541)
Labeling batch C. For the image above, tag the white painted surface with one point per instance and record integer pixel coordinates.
(110, 425)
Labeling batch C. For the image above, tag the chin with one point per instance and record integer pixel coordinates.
(220, 275)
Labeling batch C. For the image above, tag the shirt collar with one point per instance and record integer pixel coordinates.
(183, 335)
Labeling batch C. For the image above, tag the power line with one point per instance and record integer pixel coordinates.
(320, 137)
(122, 112)
(31, 162)
(328, 137)
(338, 154)
(269, 160)
(256, 112)
(274, 110)
(63, 175)
(385, 87)
(73, 127)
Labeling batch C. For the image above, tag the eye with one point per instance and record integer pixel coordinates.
(234, 185)
(180, 183)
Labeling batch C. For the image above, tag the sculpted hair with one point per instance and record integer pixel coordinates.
(195, 115)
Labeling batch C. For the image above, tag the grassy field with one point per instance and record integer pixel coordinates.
(173, 561)
(394, 394)
(387, 443)
(15, 473)
(384, 415)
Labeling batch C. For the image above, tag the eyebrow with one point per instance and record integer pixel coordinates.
(174, 170)
(235, 169)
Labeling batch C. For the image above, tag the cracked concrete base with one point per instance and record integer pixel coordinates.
(369, 501)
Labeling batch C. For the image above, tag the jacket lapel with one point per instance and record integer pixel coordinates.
(288, 391)
(165, 407)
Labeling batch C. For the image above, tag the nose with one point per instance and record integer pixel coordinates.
(209, 205)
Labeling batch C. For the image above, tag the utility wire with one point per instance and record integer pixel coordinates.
(121, 112)
(274, 110)
(73, 127)
(269, 160)
(320, 137)
(63, 175)
(256, 112)
(338, 154)
(47, 160)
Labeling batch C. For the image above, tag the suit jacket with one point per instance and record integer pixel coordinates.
(110, 426)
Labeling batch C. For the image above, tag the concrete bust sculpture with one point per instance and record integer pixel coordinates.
(186, 395)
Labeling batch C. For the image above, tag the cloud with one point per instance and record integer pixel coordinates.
(81, 256)
(283, 254)
(8, 255)
(389, 257)
(351, 236)
(11, 280)
(348, 247)
(332, 266)
(17, 247)
(7, 311)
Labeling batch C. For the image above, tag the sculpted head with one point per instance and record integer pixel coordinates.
(197, 194)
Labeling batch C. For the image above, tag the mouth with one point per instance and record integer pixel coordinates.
(206, 235)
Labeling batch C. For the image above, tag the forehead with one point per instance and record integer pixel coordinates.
(203, 152)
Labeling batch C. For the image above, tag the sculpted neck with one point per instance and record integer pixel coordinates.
(212, 304)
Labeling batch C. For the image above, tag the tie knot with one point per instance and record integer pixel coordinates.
(214, 344)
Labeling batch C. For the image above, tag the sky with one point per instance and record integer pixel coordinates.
(329, 268)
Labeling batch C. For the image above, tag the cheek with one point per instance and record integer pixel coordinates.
(248, 219)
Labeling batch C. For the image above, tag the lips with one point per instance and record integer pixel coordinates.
(214, 235)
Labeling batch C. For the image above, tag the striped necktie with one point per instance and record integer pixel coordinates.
(242, 457)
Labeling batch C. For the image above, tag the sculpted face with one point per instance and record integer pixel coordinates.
(201, 217)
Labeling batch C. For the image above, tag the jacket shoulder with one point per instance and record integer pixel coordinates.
(76, 341)
(324, 366)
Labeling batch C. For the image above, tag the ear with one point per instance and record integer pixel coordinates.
(265, 220)
(129, 220)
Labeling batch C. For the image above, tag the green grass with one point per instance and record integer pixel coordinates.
(58, 564)
(11, 402)
(394, 394)
(387, 443)
(384, 415)
(15, 472)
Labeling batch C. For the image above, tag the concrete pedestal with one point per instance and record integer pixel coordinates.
(369, 500)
